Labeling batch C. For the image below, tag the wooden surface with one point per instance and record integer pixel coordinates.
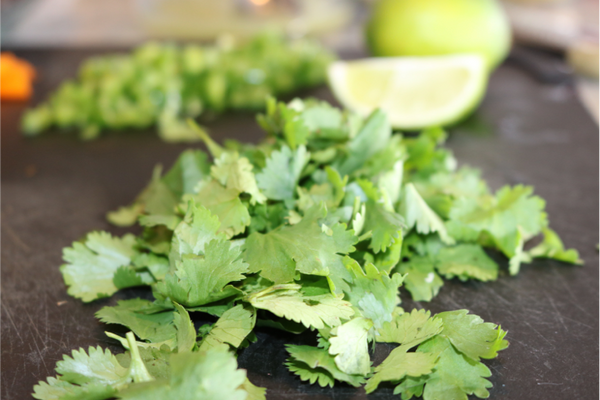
(55, 189)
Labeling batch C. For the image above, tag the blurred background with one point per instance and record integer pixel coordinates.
(34, 23)
(564, 28)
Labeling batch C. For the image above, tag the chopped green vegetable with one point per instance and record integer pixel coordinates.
(163, 84)
(317, 228)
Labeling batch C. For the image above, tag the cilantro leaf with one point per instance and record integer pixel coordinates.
(156, 360)
(410, 329)
(56, 389)
(552, 247)
(417, 213)
(157, 266)
(235, 173)
(197, 229)
(232, 328)
(210, 375)
(385, 224)
(303, 247)
(91, 265)
(400, 364)
(155, 327)
(156, 199)
(254, 392)
(424, 156)
(186, 333)
(372, 137)
(126, 277)
(265, 218)
(441, 189)
(189, 169)
(519, 256)
(95, 375)
(97, 366)
(471, 336)
(279, 178)
(373, 292)
(390, 182)
(422, 281)
(502, 215)
(455, 376)
(312, 375)
(201, 280)
(312, 311)
(466, 261)
(162, 194)
(317, 365)
(349, 345)
(226, 205)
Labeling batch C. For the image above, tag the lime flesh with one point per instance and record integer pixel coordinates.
(416, 92)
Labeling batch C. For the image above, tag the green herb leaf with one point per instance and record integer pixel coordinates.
(317, 365)
(201, 280)
(466, 261)
(312, 311)
(279, 178)
(90, 266)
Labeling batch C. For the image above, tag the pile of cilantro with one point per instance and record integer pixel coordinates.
(316, 228)
(164, 84)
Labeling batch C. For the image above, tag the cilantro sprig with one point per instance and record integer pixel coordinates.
(317, 228)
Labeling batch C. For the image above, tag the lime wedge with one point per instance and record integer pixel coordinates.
(416, 92)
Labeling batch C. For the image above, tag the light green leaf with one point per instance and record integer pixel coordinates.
(158, 266)
(254, 392)
(410, 329)
(421, 281)
(186, 333)
(226, 205)
(349, 345)
(91, 265)
(552, 247)
(55, 389)
(314, 364)
(312, 375)
(455, 376)
(400, 364)
(466, 261)
(96, 366)
(202, 280)
(199, 227)
(235, 172)
(386, 226)
(372, 137)
(232, 328)
(210, 375)
(418, 214)
(502, 215)
(372, 291)
(390, 181)
(302, 247)
(471, 335)
(154, 327)
(312, 311)
(279, 178)
(519, 256)
(126, 276)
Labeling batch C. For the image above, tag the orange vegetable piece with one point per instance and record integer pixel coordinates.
(16, 78)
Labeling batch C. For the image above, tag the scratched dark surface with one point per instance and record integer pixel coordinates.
(56, 188)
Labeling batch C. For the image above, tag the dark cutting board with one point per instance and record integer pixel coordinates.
(55, 189)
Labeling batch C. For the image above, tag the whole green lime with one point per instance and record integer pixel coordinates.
(437, 27)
